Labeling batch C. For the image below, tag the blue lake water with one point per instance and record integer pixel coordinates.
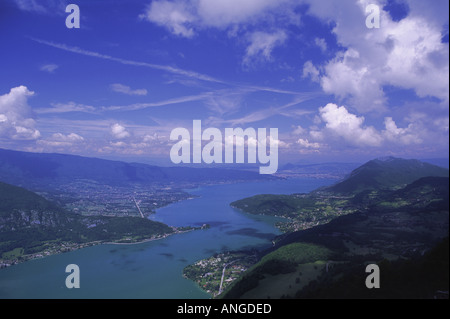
(154, 269)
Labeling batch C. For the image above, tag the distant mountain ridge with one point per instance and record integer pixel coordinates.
(329, 170)
(386, 173)
(41, 169)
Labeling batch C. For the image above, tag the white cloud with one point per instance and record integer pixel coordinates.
(50, 68)
(186, 18)
(119, 132)
(405, 136)
(340, 129)
(348, 126)
(66, 108)
(298, 130)
(120, 88)
(262, 44)
(278, 142)
(183, 18)
(16, 118)
(223, 13)
(407, 54)
(173, 15)
(61, 141)
(166, 68)
(321, 43)
(150, 138)
(309, 70)
(72, 137)
(306, 144)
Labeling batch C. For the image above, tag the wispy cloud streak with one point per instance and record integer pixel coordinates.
(265, 113)
(166, 68)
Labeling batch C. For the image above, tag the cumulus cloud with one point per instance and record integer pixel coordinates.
(120, 88)
(341, 129)
(306, 144)
(408, 54)
(339, 122)
(405, 136)
(61, 141)
(119, 132)
(72, 137)
(186, 18)
(138, 145)
(16, 118)
(176, 16)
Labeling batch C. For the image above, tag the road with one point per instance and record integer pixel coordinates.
(223, 275)
(142, 215)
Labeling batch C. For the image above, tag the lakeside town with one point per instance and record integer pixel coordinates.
(216, 273)
(90, 198)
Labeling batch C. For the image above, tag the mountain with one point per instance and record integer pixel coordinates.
(388, 211)
(430, 191)
(20, 208)
(394, 230)
(17, 198)
(442, 162)
(424, 277)
(30, 224)
(386, 173)
(42, 170)
(360, 189)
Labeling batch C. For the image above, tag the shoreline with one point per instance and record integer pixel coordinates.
(69, 247)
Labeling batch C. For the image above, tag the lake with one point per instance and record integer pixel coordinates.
(154, 269)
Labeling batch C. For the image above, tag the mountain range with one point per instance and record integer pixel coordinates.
(386, 173)
(44, 170)
(31, 224)
(385, 211)
(389, 211)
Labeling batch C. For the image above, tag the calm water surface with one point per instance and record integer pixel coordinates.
(154, 269)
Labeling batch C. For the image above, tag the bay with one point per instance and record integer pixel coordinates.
(153, 269)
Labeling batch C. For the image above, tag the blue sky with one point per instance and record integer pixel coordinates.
(135, 70)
